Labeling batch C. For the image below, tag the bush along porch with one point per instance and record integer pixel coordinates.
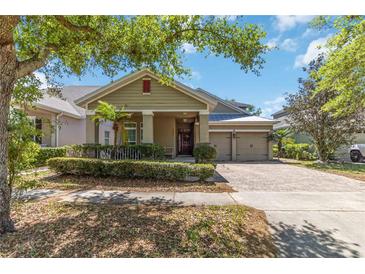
(130, 169)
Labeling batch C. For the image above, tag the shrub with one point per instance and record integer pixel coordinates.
(275, 150)
(146, 151)
(46, 153)
(204, 153)
(131, 169)
(299, 152)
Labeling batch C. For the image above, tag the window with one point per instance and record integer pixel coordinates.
(106, 137)
(146, 86)
(141, 133)
(131, 130)
(37, 122)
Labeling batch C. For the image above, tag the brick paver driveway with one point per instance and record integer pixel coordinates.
(311, 213)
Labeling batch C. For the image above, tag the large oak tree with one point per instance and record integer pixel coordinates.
(59, 45)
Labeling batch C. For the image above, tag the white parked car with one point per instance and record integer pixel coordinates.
(357, 152)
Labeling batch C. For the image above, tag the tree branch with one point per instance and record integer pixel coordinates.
(71, 26)
(30, 65)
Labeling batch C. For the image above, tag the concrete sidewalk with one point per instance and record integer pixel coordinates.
(125, 197)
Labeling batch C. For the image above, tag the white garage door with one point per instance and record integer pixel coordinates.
(223, 144)
(252, 146)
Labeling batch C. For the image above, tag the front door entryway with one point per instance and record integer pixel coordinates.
(185, 139)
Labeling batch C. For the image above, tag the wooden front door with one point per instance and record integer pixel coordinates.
(185, 141)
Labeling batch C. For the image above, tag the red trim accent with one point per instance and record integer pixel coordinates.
(146, 86)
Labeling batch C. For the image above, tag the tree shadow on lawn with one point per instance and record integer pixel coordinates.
(78, 230)
(308, 241)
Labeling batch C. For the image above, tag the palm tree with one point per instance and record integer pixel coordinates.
(107, 112)
(278, 136)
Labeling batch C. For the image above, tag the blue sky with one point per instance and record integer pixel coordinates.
(297, 45)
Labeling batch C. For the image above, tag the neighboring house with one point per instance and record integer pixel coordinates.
(175, 116)
(281, 117)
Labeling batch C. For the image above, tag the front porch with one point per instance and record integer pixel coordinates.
(177, 132)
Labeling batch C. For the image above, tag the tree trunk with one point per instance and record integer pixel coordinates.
(8, 66)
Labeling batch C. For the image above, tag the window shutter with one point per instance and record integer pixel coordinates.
(146, 86)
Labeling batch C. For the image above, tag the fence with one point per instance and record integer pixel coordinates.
(132, 152)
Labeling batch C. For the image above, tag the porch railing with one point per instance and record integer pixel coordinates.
(129, 152)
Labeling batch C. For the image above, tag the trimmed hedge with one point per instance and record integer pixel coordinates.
(46, 153)
(204, 153)
(131, 169)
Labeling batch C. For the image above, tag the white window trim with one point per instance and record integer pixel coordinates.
(131, 128)
(105, 138)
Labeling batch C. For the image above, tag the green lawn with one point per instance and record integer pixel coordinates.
(53, 229)
(351, 170)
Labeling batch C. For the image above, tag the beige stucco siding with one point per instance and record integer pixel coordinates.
(220, 108)
(161, 98)
(165, 132)
(71, 131)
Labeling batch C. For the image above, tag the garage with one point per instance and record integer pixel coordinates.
(222, 141)
(252, 146)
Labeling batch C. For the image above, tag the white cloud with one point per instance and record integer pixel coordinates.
(41, 77)
(188, 48)
(273, 42)
(289, 45)
(196, 75)
(287, 22)
(272, 106)
(315, 48)
(309, 32)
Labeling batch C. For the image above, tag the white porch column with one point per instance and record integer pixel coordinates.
(203, 126)
(147, 127)
(234, 146)
(54, 130)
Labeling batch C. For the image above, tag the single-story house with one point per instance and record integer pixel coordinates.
(282, 119)
(175, 116)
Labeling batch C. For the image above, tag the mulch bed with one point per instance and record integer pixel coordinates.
(51, 180)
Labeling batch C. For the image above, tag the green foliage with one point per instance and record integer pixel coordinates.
(296, 151)
(344, 69)
(107, 112)
(26, 91)
(46, 153)
(118, 43)
(299, 152)
(131, 169)
(22, 151)
(306, 115)
(279, 136)
(204, 153)
(147, 151)
(254, 111)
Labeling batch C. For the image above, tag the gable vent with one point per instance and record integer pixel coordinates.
(146, 85)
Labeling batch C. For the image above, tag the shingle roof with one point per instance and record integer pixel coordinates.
(231, 118)
(215, 117)
(225, 102)
(56, 104)
(73, 93)
(238, 104)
